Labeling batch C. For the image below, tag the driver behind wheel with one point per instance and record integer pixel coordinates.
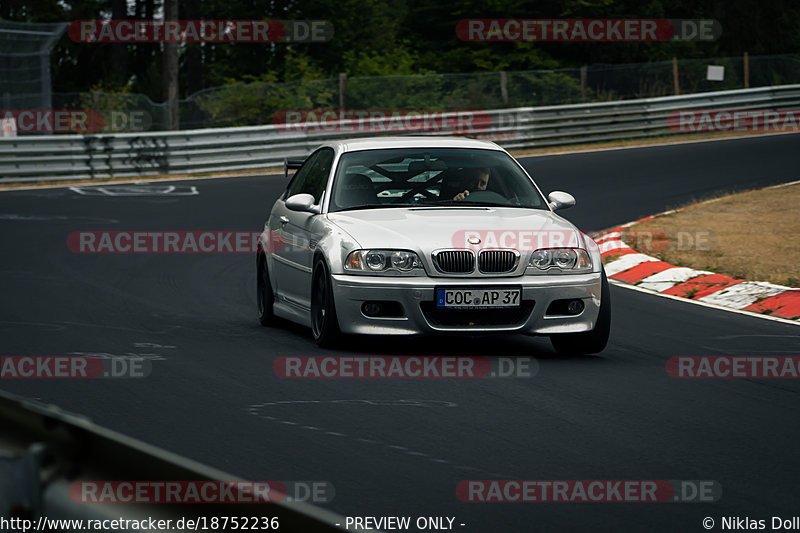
(476, 179)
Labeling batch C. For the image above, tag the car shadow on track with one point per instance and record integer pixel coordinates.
(514, 345)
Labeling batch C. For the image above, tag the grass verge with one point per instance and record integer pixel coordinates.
(748, 235)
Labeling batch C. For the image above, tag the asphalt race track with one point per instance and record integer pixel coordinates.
(399, 447)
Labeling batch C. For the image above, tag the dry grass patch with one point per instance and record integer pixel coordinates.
(750, 235)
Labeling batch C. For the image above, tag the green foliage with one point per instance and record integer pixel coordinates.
(386, 47)
(399, 61)
(257, 102)
(544, 88)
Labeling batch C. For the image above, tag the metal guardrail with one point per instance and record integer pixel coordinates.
(52, 157)
(45, 452)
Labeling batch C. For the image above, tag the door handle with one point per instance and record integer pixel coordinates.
(284, 220)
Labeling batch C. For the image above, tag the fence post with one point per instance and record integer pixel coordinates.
(675, 75)
(746, 71)
(342, 90)
(504, 87)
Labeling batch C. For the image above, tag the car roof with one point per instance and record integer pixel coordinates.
(419, 141)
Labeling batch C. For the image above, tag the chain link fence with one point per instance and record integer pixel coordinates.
(25, 63)
(252, 104)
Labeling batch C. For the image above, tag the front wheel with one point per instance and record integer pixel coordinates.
(591, 341)
(324, 323)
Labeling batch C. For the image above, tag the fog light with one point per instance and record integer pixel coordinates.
(570, 307)
(382, 309)
(372, 309)
(574, 307)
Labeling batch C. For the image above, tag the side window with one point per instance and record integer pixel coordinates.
(300, 177)
(318, 174)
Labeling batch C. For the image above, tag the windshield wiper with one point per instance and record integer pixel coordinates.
(372, 206)
(467, 202)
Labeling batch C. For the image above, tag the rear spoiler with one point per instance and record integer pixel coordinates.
(291, 164)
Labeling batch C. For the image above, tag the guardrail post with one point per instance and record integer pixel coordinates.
(148, 153)
(88, 149)
(107, 149)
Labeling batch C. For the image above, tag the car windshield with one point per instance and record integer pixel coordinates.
(372, 179)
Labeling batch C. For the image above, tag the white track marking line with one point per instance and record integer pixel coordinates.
(151, 181)
(257, 410)
(133, 191)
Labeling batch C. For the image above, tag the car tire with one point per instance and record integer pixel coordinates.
(324, 322)
(264, 294)
(591, 341)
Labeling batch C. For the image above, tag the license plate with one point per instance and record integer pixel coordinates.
(478, 298)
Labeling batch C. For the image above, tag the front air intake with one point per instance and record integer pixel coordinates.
(497, 261)
(454, 261)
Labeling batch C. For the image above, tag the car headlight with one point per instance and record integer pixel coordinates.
(565, 259)
(382, 261)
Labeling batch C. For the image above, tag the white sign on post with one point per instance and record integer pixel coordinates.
(715, 73)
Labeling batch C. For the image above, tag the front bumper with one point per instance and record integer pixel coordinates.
(416, 296)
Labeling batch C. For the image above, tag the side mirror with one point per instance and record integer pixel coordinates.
(560, 200)
(301, 202)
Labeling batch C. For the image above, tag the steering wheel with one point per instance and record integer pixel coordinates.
(490, 197)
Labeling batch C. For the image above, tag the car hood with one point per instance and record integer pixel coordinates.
(426, 229)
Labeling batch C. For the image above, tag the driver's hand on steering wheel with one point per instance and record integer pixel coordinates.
(461, 195)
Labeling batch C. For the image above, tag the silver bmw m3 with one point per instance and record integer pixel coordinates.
(428, 235)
